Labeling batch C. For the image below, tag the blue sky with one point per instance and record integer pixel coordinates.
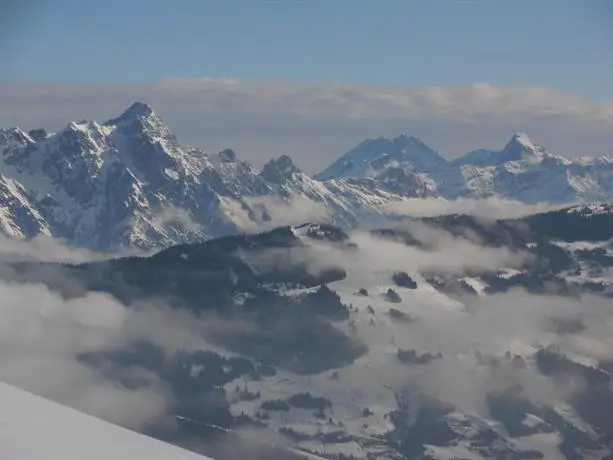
(313, 78)
(564, 44)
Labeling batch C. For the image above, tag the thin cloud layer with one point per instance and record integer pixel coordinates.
(315, 123)
(44, 248)
(41, 338)
(43, 334)
(485, 208)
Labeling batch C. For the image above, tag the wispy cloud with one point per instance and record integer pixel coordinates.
(485, 208)
(43, 248)
(41, 338)
(43, 334)
(316, 122)
(280, 212)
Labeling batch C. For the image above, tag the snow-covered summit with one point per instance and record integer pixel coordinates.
(373, 156)
(138, 110)
(521, 147)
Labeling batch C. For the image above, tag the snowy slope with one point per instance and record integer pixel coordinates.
(33, 428)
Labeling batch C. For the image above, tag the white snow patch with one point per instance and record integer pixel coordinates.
(33, 428)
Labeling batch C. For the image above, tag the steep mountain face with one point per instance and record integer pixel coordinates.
(105, 185)
(444, 337)
(128, 182)
(522, 170)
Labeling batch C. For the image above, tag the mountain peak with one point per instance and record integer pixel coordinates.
(227, 156)
(279, 169)
(138, 110)
(406, 139)
(38, 134)
(372, 156)
(521, 139)
(519, 147)
(401, 141)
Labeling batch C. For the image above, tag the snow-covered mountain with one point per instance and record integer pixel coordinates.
(522, 170)
(129, 182)
(374, 156)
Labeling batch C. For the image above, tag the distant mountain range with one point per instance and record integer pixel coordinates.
(522, 171)
(127, 182)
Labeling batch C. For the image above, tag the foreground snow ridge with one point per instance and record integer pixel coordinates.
(33, 428)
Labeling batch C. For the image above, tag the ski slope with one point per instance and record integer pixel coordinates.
(33, 428)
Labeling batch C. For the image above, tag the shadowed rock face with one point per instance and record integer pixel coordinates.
(38, 134)
(279, 170)
(402, 279)
(227, 156)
